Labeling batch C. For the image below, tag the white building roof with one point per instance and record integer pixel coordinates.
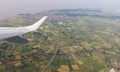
(112, 70)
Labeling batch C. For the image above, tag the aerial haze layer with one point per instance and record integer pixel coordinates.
(13, 7)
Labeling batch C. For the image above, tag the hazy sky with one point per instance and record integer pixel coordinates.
(13, 7)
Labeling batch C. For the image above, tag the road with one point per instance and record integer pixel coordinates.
(53, 57)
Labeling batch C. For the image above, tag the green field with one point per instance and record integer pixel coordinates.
(90, 36)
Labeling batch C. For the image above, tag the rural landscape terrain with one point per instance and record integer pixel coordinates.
(70, 40)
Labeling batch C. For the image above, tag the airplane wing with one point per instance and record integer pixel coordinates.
(10, 32)
(36, 25)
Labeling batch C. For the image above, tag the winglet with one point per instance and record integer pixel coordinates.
(36, 25)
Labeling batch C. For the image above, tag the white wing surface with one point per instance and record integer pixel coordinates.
(9, 32)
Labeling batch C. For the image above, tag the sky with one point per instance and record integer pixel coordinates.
(13, 7)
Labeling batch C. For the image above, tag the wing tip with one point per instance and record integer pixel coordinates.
(36, 25)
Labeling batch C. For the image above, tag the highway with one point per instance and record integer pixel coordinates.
(53, 57)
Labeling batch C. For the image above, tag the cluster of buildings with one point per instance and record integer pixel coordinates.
(17, 59)
(117, 68)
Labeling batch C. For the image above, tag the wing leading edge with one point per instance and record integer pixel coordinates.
(10, 32)
(36, 25)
